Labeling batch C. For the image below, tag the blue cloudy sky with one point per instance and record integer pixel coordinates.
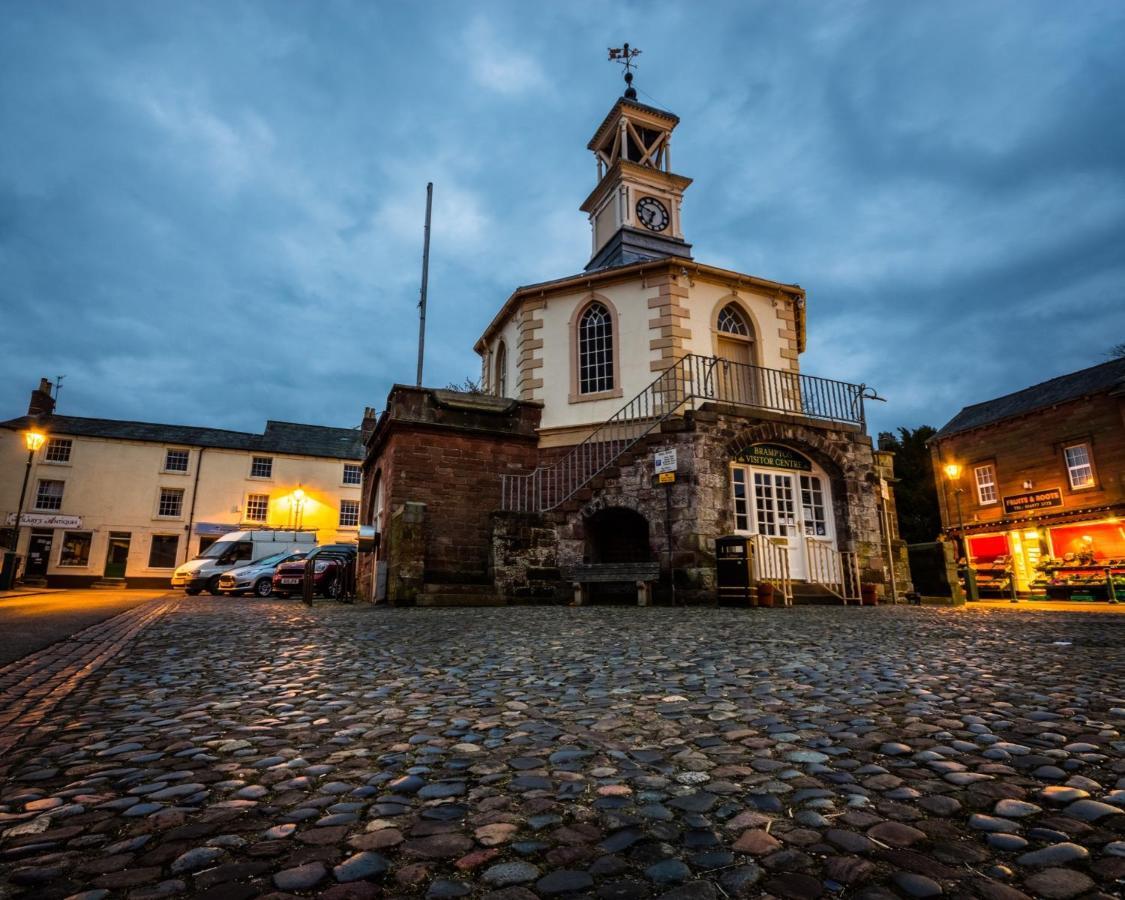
(210, 212)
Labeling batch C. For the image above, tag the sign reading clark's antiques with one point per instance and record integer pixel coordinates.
(773, 456)
(44, 520)
(1036, 500)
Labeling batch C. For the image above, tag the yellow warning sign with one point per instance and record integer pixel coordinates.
(666, 477)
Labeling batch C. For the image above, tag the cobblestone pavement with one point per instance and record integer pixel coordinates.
(241, 749)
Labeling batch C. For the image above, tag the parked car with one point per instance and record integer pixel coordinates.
(235, 549)
(328, 562)
(256, 577)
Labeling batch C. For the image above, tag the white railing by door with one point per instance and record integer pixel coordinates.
(836, 570)
(771, 563)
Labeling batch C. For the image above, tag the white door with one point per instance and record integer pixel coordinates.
(775, 511)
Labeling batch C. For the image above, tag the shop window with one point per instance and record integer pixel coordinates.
(353, 474)
(987, 548)
(171, 503)
(595, 350)
(176, 461)
(49, 494)
(162, 553)
(986, 484)
(349, 513)
(57, 450)
(206, 541)
(257, 507)
(75, 548)
(1089, 540)
(261, 467)
(1079, 468)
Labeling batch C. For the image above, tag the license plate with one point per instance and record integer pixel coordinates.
(290, 580)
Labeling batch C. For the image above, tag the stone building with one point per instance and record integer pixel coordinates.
(587, 377)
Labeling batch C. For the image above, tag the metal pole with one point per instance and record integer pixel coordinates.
(668, 537)
(19, 509)
(425, 283)
(970, 572)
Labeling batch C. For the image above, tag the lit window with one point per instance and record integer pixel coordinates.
(257, 507)
(171, 503)
(812, 506)
(595, 350)
(986, 484)
(501, 370)
(75, 548)
(176, 461)
(349, 513)
(1078, 466)
(57, 450)
(261, 467)
(353, 474)
(162, 553)
(731, 321)
(49, 495)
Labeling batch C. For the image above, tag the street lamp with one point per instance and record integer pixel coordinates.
(33, 440)
(953, 473)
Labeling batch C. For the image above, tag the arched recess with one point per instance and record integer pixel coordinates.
(591, 355)
(617, 534)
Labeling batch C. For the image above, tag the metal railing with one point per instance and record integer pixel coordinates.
(771, 563)
(835, 570)
(690, 380)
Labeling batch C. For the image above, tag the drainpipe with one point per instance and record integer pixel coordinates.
(191, 512)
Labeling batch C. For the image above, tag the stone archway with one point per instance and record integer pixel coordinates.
(617, 534)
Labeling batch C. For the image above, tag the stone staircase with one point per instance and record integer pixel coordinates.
(459, 595)
(806, 593)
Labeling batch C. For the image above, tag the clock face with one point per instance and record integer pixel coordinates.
(652, 213)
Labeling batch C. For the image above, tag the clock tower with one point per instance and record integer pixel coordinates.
(635, 209)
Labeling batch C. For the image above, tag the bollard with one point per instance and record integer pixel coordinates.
(1111, 590)
(307, 586)
(1012, 587)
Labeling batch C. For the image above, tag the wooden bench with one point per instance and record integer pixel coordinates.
(643, 574)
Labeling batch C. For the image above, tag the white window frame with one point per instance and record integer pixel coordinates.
(596, 350)
(40, 495)
(986, 489)
(358, 469)
(353, 514)
(160, 503)
(1073, 468)
(251, 499)
(500, 366)
(55, 445)
(168, 451)
(268, 460)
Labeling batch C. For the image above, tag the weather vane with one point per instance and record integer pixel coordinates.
(625, 56)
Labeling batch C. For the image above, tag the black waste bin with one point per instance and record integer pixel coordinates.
(8, 568)
(734, 576)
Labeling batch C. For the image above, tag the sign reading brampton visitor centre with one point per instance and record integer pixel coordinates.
(773, 456)
(1036, 500)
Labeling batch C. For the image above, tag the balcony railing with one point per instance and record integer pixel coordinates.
(687, 383)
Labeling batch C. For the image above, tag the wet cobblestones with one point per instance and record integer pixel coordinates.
(256, 748)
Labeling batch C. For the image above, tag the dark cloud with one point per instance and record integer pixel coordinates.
(211, 212)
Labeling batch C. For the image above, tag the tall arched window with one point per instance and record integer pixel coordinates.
(595, 350)
(500, 378)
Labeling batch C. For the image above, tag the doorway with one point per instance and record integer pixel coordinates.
(117, 555)
(39, 553)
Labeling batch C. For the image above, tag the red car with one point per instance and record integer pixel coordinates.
(329, 563)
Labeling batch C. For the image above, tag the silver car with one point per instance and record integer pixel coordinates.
(256, 577)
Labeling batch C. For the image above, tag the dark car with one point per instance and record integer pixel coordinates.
(329, 564)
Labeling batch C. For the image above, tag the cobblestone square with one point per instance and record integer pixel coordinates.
(256, 748)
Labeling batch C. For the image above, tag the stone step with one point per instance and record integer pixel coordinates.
(109, 584)
(461, 600)
(809, 594)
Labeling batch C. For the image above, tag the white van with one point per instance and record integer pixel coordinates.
(238, 548)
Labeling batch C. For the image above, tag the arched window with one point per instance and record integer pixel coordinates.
(595, 350)
(731, 321)
(734, 340)
(500, 380)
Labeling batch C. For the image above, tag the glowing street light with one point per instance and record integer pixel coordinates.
(953, 474)
(33, 440)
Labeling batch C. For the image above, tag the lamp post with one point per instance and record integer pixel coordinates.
(33, 440)
(953, 474)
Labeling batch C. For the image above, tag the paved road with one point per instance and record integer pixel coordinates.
(238, 750)
(31, 622)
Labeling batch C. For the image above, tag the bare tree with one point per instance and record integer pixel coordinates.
(468, 386)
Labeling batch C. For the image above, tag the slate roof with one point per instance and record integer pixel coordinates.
(1094, 380)
(278, 437)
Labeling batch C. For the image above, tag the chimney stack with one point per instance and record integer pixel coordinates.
(42, 403)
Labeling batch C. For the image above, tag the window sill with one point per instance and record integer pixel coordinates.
(55, 462)
(600, 395)
(73, 566)
(167, 518)
(174, 472)
(40, 509)
(259, 478)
